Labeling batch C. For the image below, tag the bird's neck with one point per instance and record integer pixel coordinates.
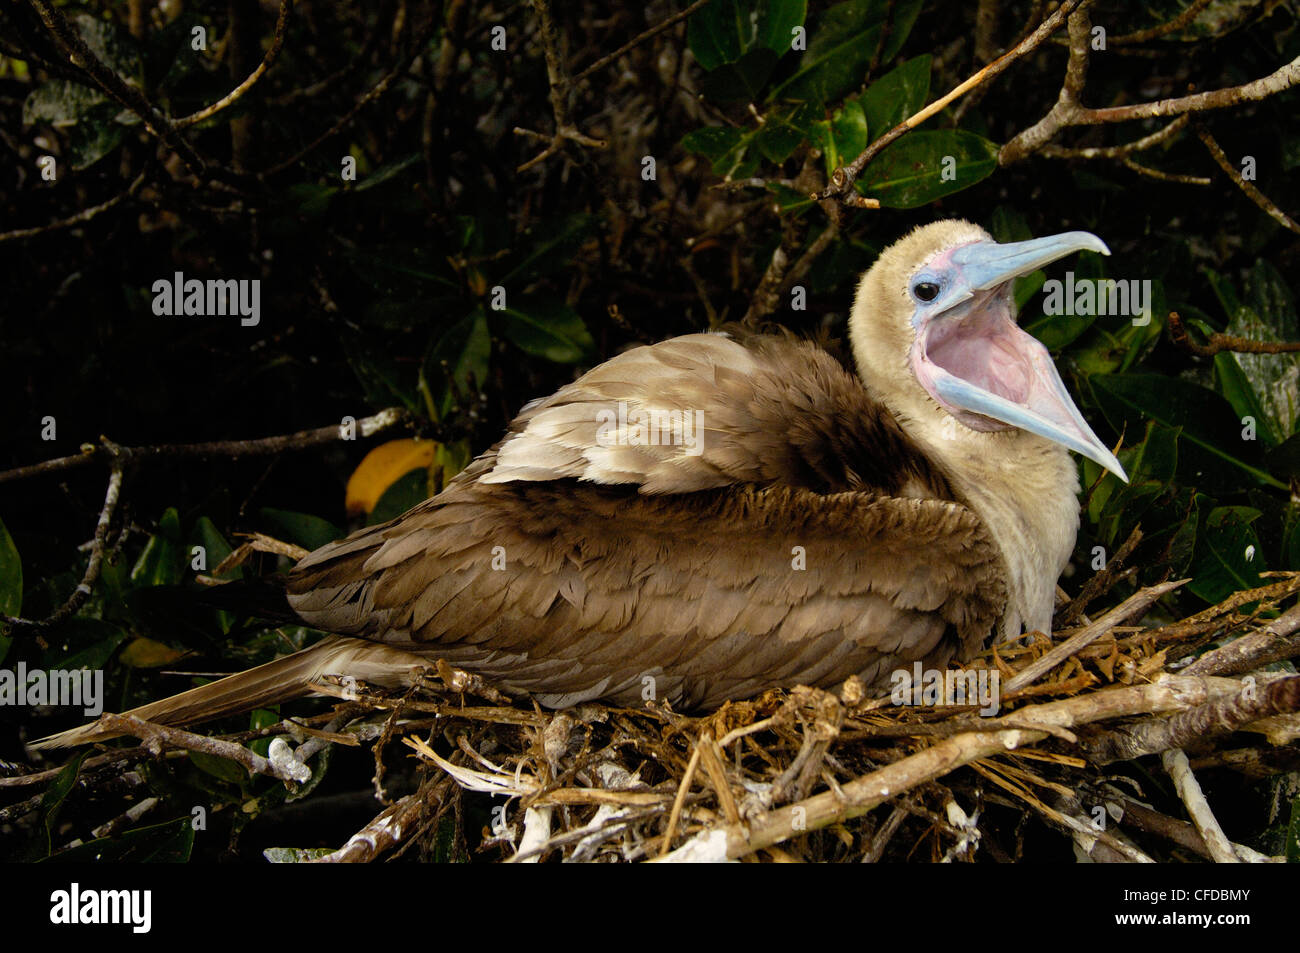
(1024, 488)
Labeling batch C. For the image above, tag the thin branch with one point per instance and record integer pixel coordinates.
(683, 788)
(1155, 32)
(1069, 112)
(1189, 789)
(842, 179)
(1142, 818)
(1214, 343)
(155, 737)
(1254, 194)
(119, 458)
(85, 215)
(1100, 583)
(233, 449)
(417, 47)
(858, 796)
(385, 831)
(558, 78)
(277, 41)
(637, 40)
(1216, 717)
(1162, 176)
(1120, 151)
(1273, 643)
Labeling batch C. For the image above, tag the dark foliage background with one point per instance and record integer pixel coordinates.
(378, 291)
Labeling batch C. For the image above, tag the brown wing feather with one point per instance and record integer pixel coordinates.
(602, 586)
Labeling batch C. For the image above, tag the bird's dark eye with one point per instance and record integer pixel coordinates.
(926, 290)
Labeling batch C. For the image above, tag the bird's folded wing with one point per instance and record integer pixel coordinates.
(709, 410)
(696, 576)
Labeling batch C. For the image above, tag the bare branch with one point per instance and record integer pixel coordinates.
(119, 458)
(85, 215)
(1162, 29)
(1207, 825)
(558, 77)
(1216, 717)
(1216, 342)
(637, 40)
(1120, 151)
(156, 737)
(1254, 194)
(277, 41)
(233, 449)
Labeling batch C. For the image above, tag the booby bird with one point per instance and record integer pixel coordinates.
(793, 523)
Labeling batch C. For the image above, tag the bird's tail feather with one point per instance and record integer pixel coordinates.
(279, 681)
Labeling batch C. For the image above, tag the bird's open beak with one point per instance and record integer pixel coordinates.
(973, 358)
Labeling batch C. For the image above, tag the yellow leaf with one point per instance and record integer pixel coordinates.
(146, 653)
(384, 466)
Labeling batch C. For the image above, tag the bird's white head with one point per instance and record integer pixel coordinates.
(935, 322)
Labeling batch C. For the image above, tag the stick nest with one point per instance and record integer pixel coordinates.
(1094, 750)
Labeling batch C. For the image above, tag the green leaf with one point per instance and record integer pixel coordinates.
(1268, 385)
(223, 769)
(1055, 331)
(896, 95)
(776, 22)
(786, 127)
(168, 843)
(111, 44)
(99, 639)
(1204, 417)
(1151, 466)
(1291, 537)
(466, 348)
(163, 562)
(52, 802)
(387, 171)
(725, 30)
(90, 118)
(310, 532)
(915, 170)
(741, 81)
(11, 575)
(546, 248)
(1229, 557)
(403, 494)
(386, 269)
(843, 45)
(724, 147)
(848, 129)
(263, 718)
(546, 328)
(788, 199)
(216, 549)
(1231, 381)
(379, 375)
(61, 103)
